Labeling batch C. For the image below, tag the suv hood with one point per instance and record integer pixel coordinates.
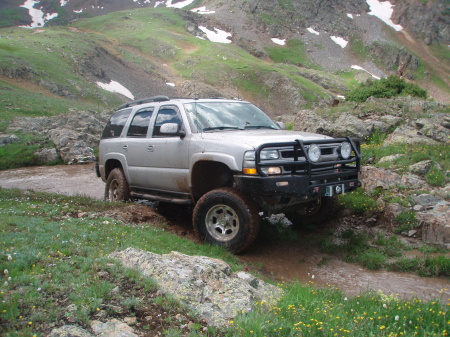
(255, 138)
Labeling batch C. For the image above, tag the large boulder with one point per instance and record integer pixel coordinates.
(206, 285)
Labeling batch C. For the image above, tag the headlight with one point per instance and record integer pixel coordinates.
(269, 154)
(264, 155)
(345, 150)
(314, 153)
(249, 155)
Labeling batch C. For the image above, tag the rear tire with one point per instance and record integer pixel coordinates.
(315, 212)
(228, 218)
(117, 188)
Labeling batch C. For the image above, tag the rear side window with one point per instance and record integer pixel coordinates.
(116, 123)
(139, 124)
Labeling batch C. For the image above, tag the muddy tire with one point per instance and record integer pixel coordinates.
(315, 212)
(117, 188)
(227, 218)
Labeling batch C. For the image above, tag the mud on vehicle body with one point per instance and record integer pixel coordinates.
(227, 159)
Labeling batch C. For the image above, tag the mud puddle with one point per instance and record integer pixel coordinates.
(286, 261)
(67, 180)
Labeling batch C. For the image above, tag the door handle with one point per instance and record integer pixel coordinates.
(125, 147)
(150, 148)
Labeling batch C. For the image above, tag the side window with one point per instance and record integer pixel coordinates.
(139, 124)
(115, 125)
(166, 115)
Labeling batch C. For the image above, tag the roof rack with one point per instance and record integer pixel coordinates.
(144, 100)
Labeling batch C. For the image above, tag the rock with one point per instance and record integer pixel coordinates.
(47, 155)
(408, 135)
(410, 233)
(426, 200)
(8, 139)
(74, 135)
(71, 313)
(413, 182)
(391, 212)
(207, 286)
(112, 328)
(390, 159)
(130, 320)
(421, 168)
(374, 177)
(436, 224)
(70, 331)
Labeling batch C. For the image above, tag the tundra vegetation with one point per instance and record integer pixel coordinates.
(55, 270)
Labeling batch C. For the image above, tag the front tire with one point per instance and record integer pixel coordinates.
(228, 218)
(117, 188)
(315, 212)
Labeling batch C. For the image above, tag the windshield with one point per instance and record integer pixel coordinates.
(216, 116)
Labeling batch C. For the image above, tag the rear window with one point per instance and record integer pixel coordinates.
(116, 123)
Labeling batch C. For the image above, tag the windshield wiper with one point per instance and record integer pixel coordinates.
(221, 128)
(260, 127)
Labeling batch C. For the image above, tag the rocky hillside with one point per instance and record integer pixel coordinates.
(316, 50)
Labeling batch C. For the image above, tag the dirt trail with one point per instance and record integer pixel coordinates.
(287, 261)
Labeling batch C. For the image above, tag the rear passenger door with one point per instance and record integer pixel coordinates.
(135, 146)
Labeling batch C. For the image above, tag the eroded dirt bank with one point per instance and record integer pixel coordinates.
(287, 261)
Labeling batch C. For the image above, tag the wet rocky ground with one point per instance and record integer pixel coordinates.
(288, 261)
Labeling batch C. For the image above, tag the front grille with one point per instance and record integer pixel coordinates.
(294, 161)
(286, 154)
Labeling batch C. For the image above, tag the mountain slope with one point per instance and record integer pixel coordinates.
(282, 55)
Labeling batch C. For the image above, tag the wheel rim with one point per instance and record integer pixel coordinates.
(222, 223)
(114, 190)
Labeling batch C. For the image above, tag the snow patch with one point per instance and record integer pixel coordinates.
(170, 84)
(279, 41)
(116, 87)
(340, 41)
(383, 11)
(312, 31)
(361, 68)
(350, 15)
(216, 35)
(38, 19)
(63, 2)
(179, 4)
(79, 11)
(202, 10)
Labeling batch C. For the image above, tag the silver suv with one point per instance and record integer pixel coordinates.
(226, 158)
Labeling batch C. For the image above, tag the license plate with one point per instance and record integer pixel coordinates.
(334, 190)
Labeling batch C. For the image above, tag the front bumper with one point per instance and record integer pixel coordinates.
(302, 177)
(296, 186)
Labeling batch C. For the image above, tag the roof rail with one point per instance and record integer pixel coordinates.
(144, 100)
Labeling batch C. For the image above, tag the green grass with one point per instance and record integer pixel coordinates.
(22, 152)
(359, 202)
(53, 259)
(294, 52)
(414, 153)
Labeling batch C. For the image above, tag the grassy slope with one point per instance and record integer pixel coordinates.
(45, 56)
(67, 264)
(148, 37)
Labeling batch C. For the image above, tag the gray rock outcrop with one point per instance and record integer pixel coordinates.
(75, 135)
(205, 285)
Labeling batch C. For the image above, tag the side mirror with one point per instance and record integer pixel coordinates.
(171, 129)
(281, 125)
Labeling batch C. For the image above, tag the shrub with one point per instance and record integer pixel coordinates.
(384, 88)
